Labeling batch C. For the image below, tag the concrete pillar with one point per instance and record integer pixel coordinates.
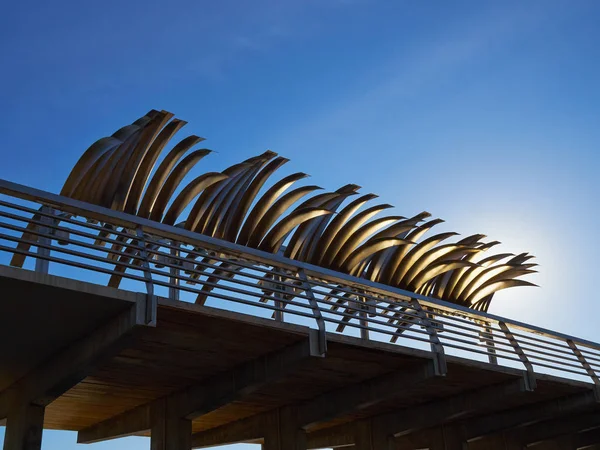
(169, 432)
(24, 427)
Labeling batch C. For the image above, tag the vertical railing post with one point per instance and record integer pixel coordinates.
(42, 264)
(364, 323)
(487, 337)
(437, 348)
(151, 300)
(174, 271)
(590, 371)
(278, 296)
(316, 311)
(530, 383)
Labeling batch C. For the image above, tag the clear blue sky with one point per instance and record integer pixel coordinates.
(485, 113)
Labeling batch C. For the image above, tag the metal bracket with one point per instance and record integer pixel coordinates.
(174, 272)
(316, 312)
(590, 371)
(42, 263)
(279, 301)
(367, 307)
(530, 382)
(439, 361)
(486, 336)
(151, 300)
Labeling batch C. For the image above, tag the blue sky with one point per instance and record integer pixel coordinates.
(483, 113)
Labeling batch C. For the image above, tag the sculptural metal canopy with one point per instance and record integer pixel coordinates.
(119, 172)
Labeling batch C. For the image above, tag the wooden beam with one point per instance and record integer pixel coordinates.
(277, 429)
(210, 394)
(551, 429)
(362, 395)
(441, 411)
(168, 431)
(587, 438)
(53, 378)
(407, 420)
(244, 430)
(363, 439)
(368, 437)
(499, 441)
(286, 434)
(335, 437)
(24, 427)
(433, 439)
(130, 422)
(476, 428)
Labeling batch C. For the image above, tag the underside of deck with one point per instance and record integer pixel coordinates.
(86, 358)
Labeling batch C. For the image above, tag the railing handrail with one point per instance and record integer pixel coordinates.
(102, 214)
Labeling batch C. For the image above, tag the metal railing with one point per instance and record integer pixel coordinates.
(98, 245)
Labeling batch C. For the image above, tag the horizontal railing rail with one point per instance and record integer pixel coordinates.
(102, 246)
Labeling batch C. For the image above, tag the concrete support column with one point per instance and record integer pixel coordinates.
(168, 431)
(24, 427)
(285, 434)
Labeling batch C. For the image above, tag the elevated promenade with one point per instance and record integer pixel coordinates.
(205, 343)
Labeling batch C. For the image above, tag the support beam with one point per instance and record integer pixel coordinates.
(168, 431)
(562, 443)
(587, 438)
(24, 427)
(335, 437)
(552, 429)
(439, 412)
(244, 430)
(363, 439)
(495, 442)
(438, 438)
(210, 394)
(286, 435)
(476, 428)
(368, 437)
(404, 421)
(52, 379)
(278, 428)
(362, 395)
(453, 439)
